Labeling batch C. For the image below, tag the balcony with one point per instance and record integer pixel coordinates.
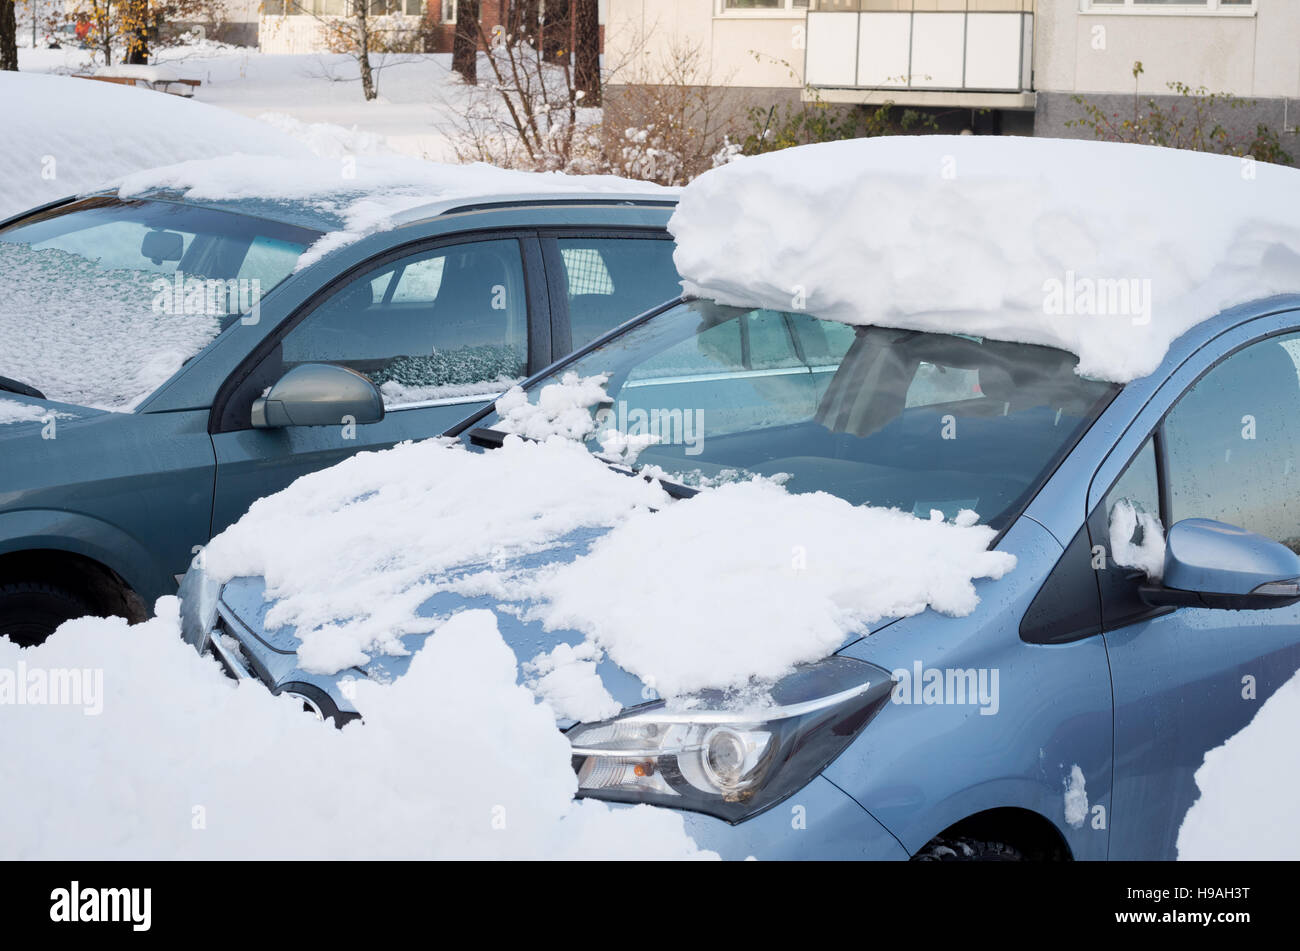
(921, 52)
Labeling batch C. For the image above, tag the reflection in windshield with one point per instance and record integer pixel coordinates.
(918, 421)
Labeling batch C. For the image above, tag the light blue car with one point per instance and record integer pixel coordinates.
(165, 361)
(1064, 717)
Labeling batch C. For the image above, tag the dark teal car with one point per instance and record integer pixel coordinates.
(164, 361)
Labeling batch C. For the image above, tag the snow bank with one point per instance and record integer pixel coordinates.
(1109, 251)
(1247, 807)
(66, 136)
(230, 771)
(739, 582)
(367, 192)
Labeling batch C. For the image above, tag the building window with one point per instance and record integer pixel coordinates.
(762, 6)
(448, 11)
(1168, 6)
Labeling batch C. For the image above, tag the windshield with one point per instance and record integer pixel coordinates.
(917, 421)
(102, 300)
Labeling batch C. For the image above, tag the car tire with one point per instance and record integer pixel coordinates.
(967, 850)
(31, 610)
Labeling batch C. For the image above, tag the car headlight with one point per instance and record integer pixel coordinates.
(730, 763)
(199, 595)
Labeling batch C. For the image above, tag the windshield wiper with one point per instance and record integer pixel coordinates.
(22, 389)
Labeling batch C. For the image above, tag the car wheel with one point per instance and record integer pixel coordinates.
(967, 850)
(30, 611)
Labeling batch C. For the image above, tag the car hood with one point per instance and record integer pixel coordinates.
(273, 650)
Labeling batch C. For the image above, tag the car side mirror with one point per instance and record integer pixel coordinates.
(318, 394)
(1210, 564)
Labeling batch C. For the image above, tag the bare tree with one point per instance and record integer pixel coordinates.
(464, 46)
(8, 36)
(586, 50)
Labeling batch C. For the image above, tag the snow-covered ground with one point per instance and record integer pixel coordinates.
(419, 95)
(154, 753)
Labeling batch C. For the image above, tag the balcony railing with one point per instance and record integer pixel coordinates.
(936, 45)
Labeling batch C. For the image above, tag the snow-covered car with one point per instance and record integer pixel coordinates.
(206, 333)
(860, 550)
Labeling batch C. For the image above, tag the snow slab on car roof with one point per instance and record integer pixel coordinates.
(367, 193)
(1107, 250)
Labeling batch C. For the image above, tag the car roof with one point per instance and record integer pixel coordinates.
(325, 217)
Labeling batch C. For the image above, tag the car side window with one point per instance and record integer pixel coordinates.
(1128, 538)
(443, 322)
(1232, 443)
(610, 280)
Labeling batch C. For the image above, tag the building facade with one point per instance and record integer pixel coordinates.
(1015, 65)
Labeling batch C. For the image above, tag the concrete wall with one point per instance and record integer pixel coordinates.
(1255, 57)
(761, 50)
(1247, 55)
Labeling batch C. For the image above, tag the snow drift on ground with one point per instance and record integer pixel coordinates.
(368, 192)
(1247, 807)
(66, 136)
(176, 761)
(1023, 239)
(740, 582)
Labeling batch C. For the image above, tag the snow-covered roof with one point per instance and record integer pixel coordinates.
(66, 135)
(1109, 251)
(354, 196)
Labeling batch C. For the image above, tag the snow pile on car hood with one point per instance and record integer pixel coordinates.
(1108, 251)
(122, 743)
(1247, 807)
(739, 583)
(368, 193)
(64, 135)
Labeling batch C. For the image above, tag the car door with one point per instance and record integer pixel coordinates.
(441, 328)
(1186, 679)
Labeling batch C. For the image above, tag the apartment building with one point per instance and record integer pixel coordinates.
(1014, 65)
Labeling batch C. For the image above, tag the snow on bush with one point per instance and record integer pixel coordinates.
(162, 756)
(1109, 251)
(1247, 806)
(740, 582)
(66, 136)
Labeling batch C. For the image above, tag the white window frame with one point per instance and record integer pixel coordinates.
(787, 10)
(1133, 8)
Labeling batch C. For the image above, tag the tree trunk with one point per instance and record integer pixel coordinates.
(363, 51)
(8, 36)
(529, 11)
(135, 13)
(586, 50)
(555, 28)
(464, 46)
